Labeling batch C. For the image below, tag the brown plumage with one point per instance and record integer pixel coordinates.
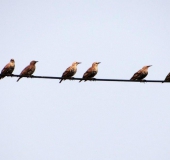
(8, 69)
(29, 70)
(91, 72)
(167, 79)
(141, 74)
(70, 71)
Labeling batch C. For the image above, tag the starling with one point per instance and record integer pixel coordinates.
(167, 79)
(29, 70)
(8, 69)
(142, 73)
(91, 72)
(70, 71)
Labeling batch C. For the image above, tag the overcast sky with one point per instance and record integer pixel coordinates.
(41, 119)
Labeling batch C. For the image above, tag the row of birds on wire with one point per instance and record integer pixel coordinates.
(71, 71)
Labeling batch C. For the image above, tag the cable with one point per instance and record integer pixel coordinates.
(95, 79)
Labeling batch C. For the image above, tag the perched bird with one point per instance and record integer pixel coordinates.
(70, 71)
(29, 70)
(167, 79)
(8, 69)
(141, 74)
(91, 72)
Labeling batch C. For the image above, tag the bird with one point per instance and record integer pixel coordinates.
(70, 71)
(167, 79)
(8, 69)
(91, 72)
(29, 70)
(141, 74)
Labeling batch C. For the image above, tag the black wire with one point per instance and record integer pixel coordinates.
(95, 79)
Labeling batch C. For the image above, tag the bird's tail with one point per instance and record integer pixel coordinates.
(132, 79)
(60, 80)
(1, 77)
(18, 79)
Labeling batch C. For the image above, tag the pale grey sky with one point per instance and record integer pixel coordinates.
(41, 119)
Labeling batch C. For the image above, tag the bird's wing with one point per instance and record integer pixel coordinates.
(6, 69)
(139, 75)
(136, 75)
(27, 71)
(89, 73)
(167, 77)
(68, 72)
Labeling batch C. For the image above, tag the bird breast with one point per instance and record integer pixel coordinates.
(12, 64)
(95, 69)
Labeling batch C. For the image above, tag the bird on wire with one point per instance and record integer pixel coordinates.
(29, 70)
(141, 74)
(8, 69)
(167, 79)
(91, 72)
(70, 71)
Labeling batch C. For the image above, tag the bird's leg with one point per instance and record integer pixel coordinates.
(8, 74)
(143, 80)
(71, 78)
(93, 79)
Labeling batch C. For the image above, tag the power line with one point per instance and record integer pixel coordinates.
(95, 79)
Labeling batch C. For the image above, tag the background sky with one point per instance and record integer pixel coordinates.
(41, 119)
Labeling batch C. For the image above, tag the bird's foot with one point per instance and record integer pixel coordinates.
(93, 79)
(143, 80)
(8, 74)
(72, 78)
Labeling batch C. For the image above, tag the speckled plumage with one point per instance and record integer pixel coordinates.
(141, 74)
(29, 70)
(91, 72)
(8, 69)
(70, 71)
(167, 79)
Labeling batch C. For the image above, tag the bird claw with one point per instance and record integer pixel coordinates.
(143, 80)
(92, 79)
(71, 78)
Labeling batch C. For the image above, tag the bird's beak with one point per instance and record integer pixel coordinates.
(149, 65)
(78, 62)
(98, 62)
(36, 61)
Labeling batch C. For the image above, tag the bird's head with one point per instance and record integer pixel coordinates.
(96, 63)
(146, 67)
(33, 62)
(12, 61)
(76, 63)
